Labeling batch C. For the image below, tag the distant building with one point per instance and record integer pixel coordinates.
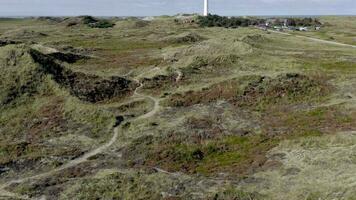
(262, 27)
(285, 24)
(303, 28)
(278, 28)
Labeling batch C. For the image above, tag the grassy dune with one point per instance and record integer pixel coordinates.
(241, 114)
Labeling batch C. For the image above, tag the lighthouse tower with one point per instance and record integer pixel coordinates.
(206, 7)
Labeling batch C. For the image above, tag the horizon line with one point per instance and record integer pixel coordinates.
(29, 16)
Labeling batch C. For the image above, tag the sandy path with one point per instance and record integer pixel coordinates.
(84, 157)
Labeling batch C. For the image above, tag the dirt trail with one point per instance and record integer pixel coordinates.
(315, 39)
(156, 101)
(84, 157)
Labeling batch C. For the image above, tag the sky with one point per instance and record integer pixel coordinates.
(171, 7)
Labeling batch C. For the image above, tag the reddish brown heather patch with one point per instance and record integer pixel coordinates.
(206, 147)
(128, 59)
(252, 91)
(282, 89)
(200, 130)
(50, 119)
(159, 83)
(230, 154)
(203, 150)
(224, 90)
(334, 119)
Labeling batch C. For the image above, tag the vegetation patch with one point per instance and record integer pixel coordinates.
(116, 185)
(185, 38)
(227, 22)
(24, 35)
(8, 42)
(20, 76)
(67, 57)
(132, 23)
(235, 194)
(310, 122)
(203, 64)
(159, 82)
(89, 88)
(235, 22)
(284, 88)
(254, 39)
(339, 65)
(53, 20)
(31, 123)
(205, 148)
(224, 90)
(90, 21)
(255, 90)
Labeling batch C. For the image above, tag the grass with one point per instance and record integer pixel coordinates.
(324, 157)
(241, 151)
(313, 122)
(238, 155)
(231, 112)
(341, 29)
(40, 111)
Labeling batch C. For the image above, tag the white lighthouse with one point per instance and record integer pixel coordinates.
(206, 7)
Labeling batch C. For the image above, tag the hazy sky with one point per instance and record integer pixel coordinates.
(160, 7)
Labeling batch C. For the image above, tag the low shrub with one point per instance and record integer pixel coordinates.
(102, 24)
(227, 22)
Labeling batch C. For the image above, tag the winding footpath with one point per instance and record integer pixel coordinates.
(84, 158)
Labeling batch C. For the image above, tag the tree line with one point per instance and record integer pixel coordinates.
(235, 22)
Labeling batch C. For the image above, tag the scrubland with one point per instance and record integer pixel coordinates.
(190, 112)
